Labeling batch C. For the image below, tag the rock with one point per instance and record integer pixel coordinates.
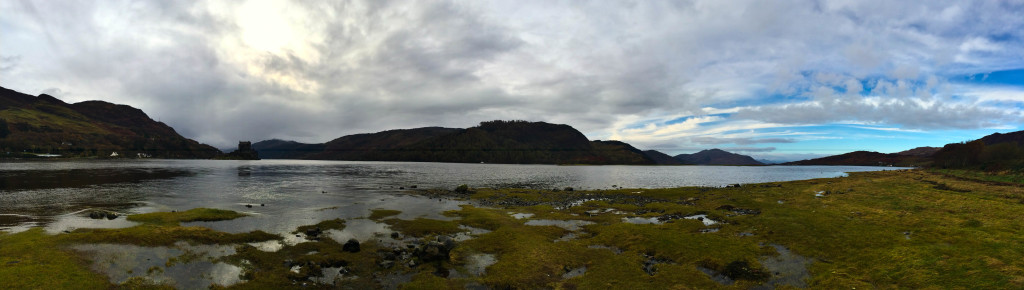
(433, 251)
(351, 246)
(462, 188)
(263, 204)
(569, 188)
(314, 232)
(401, 187)
(248, 206)
(413, 186)
(726, 207)
(396, 235)
(386, 264)
(101, 214)
(447, 242)
(741, 270)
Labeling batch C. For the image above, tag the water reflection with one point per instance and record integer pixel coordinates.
(183, 266)
(284, 194)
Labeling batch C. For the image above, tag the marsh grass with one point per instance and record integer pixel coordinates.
(192, 215)
(379, 214)
(868, 230)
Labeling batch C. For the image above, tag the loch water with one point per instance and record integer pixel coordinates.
(283, 194)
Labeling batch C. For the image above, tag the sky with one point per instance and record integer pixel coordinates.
(778, 80)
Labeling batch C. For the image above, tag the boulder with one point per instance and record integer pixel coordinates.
(351, 246)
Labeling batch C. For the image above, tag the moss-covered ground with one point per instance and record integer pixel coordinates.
(894, 229)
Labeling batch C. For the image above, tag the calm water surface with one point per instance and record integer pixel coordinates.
(58, 194)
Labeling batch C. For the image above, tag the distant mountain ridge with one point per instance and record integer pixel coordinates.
(662, 158)
(491, 142)
(716, 157)
(867, 158)
(45, 124)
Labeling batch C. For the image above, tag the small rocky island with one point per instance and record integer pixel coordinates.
(244, 152)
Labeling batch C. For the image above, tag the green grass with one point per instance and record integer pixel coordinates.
(1012, 177)
(335, 224)
(422, 227)
(192, 215)
(34, 260)
(379, 214)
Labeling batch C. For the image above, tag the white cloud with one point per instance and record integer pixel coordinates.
(314, 70)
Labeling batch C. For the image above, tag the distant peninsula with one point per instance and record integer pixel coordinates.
(508, 142)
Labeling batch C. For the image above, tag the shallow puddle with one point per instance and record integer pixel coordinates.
(477, 264)
(572, 273)
(70, 222)
(787, 268)
(268, 246)
(642, 220)
(184, 266)
(361, 230)
(572, 225)
(520, 216)
(703, 218)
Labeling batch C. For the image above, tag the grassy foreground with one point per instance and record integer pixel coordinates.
(906, 229)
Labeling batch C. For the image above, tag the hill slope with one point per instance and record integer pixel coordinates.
(661, 158)
(490, 142)
(45, 124)
(281, 149)
(716, 157)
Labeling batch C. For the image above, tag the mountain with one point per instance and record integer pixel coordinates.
(661, 158)
(856, 158)
(920, 156)
(716, 157)
(281, 149)
(515, 142)
(996, 138)
(920, 151)
(378, 146)
(995, 152)
(45, 124)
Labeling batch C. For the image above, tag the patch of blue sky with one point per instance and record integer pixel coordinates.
(1014, 77)
(842, 138)
(1004, 104)
(686, 118)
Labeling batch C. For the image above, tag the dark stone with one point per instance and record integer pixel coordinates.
(386, 264)
(248, 206)
(395, 235)
(110, 215)
(568, 188)
(741, 270)
(726, 207)
(96, 215)
(433, 251)
(401, 187)
(351, 246)
(262, 204)
(314, 232)
(413, 186)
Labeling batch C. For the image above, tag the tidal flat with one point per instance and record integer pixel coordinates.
(890, 229)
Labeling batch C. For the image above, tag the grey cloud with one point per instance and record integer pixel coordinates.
(910, 115)
(395, 64)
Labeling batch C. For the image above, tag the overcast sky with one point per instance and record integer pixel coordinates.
(773, 79)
